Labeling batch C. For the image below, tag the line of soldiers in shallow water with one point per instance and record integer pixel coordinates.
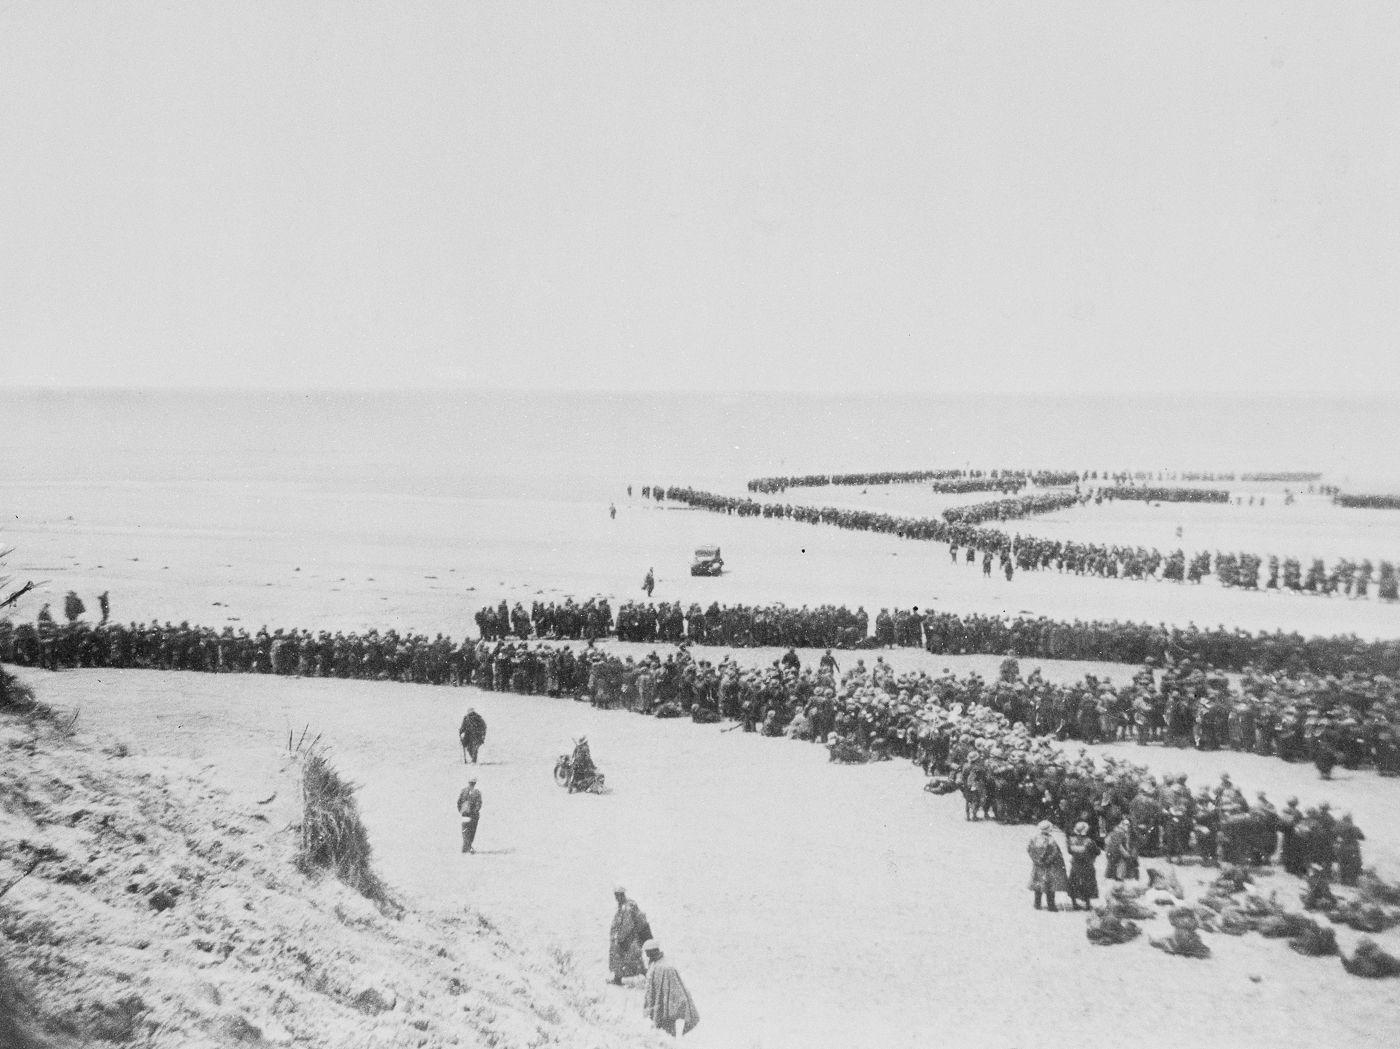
(1040, 478)
(1032, 553)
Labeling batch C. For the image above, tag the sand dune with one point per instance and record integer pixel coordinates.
(807, 904)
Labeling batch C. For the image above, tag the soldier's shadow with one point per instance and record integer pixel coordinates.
(492, 852)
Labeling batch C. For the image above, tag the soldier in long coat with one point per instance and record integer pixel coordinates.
(1083, 882)
(1047, 866)
(472, 734)
(667, 1003)
(1121, 853)
(625, 938)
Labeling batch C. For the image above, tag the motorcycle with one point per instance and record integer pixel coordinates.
(564, 776)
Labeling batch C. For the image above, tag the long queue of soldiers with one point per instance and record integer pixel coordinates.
(78, 642)
(962, 485)
(1010, 509)
(1040, 478)
(1351, 718)
(1367, 502)
(1158, 494)
(965, 538)
(1113, 641)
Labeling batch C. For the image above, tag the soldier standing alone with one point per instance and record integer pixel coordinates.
(469, 808)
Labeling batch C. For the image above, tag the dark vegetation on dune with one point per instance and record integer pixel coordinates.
(333, 836)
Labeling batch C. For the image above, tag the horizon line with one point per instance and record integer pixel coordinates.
(673, 391)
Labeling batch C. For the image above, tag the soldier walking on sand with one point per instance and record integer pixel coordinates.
(625, 938)
(667, 1004)
(472, 734)
(469, 808)
(649, 583)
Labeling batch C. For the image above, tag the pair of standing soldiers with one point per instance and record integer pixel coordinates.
(472, 734)
(633, 951)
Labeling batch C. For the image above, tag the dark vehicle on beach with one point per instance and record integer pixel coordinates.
(707, 561)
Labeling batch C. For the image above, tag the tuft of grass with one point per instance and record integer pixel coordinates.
(333, 837)
(17, 1022)
(18, 698)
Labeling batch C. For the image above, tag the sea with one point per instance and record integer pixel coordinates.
(580, 446)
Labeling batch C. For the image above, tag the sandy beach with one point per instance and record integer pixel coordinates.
(347, 558)
(807, 904)
(347, 318)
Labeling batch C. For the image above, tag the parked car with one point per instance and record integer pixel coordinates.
(707, 561)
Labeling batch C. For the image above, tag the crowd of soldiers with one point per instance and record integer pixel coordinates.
(837, 626)
(998, 741)
(1278, 708)
(1039, 478)
(1012, 508)
(778, 484)
(1157, 494)
(78, 642)
(962, 485)
(993, 478)
(959, 528)
(589, 619)
(1114, 641)
(1367, 502)
(744, 626)
(1353, 720)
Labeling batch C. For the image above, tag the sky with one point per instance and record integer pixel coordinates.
(714, 195)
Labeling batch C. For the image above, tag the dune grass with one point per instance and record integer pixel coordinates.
(333, 836)
(18, 698)
(17, 1028)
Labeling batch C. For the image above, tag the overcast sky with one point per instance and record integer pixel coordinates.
(718, 194)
